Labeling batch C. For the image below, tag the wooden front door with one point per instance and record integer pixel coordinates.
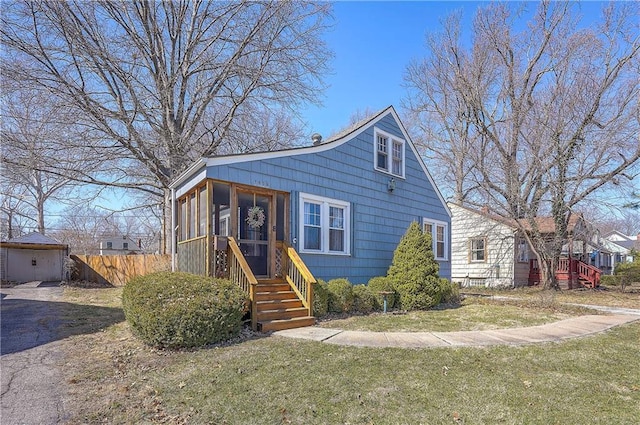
(256, 234)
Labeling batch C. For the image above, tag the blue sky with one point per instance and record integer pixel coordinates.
(373, 42)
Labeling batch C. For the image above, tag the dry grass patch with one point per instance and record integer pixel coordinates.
(90, 310)
(606, 296)
(474, 313)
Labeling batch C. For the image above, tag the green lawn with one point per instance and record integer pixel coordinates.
(113, 378)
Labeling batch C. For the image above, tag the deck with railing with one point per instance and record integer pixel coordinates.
(571, 272)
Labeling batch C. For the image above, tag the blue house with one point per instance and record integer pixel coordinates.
(334, 209)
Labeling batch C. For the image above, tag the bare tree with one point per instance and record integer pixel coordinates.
(160, 83)
(259, 130)
(439, 116)
(553, 110)
(16, 214)
(627, 221)
(83, 227)
(33, 131)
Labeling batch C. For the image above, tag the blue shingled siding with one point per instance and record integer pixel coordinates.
(346, 173)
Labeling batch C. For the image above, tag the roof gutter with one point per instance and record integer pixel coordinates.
(186, 174)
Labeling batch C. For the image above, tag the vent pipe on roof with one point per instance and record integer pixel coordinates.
(317, 139)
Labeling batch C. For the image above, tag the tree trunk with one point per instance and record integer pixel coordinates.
(548, 266)
(41, 227)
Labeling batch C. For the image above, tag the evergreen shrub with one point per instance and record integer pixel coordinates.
(609, 280)
(414, 271)
(628, 273)
(450, 292)
(364, 300)
(383, 284)
(340, 296)
(181, 310)
(320, 298)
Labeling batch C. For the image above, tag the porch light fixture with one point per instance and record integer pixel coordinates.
(391, 186)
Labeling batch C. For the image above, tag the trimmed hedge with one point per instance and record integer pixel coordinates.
(383, 284)
(364, 300)
(609, 280)
(320, 298)
(340, 295)
(181, 310)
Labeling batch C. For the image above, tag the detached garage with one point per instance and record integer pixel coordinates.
(32, 257)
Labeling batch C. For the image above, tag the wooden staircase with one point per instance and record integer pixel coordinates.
(279, 307)
(282, 303)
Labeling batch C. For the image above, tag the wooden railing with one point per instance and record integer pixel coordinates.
(297, 275)
(563, 265)
(567, 270)
(589, 273)
(240, 273)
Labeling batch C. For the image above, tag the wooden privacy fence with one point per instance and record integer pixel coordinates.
(117, 270)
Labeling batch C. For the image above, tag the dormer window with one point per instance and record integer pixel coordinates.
(389, 153)
(383, 154)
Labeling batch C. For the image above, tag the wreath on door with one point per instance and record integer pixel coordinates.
(255, 217)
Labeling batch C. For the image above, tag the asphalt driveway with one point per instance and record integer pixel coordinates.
(30, 357)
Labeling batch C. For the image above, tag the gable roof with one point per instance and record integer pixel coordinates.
(617, 234)
(614, 247)
(332, 142)
(548, 225)
(545, 225)
(625, 241)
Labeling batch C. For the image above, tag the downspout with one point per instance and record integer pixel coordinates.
(516, 246)
(173, 230)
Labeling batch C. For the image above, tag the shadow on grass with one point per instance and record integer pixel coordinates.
(449, 306)
(28, 323)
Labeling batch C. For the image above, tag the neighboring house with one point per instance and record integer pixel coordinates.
(34, 257)
(624, 241)
(119, 245)
(490, 250)
(341, 206)
(616, 254)
(487, 250)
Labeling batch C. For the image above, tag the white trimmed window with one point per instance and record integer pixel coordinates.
(324, 225)
(478, 249)
(389, 153)
(523, 251)
(438, 232)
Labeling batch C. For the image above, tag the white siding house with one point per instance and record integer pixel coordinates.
(485, 251)
(119, 245)
(627, 243)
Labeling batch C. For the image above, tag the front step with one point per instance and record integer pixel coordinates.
(281, 313)
(276, 296)
(278, 325)
(278, 307)
(272, 287)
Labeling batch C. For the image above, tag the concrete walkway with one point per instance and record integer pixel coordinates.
(557, 331)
